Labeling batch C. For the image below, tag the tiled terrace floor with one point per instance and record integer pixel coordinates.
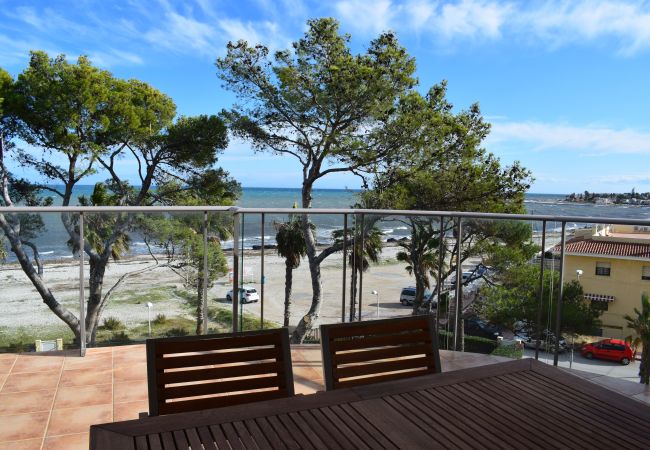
(50, 401)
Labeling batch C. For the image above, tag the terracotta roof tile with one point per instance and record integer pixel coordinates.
(590, 246)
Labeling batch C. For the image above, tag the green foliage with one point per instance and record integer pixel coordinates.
(173, 332)
(291, 242)
(509, 351)
(361, 254)
(113, 324)
(640, 324)
(160, 319)
(516, 300)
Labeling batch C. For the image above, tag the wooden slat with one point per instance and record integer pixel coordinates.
(349, 433)
(270, 433)
(193, 438)
(434, 422)
(295, 431)
(208, 359)
(381, 367)
(378, 327)
(285, 435)
(257, 434)
(219, 387)
(218, 342)
(382, 353)
(244, 435)
(331, 430)
(167, 441)
(219, 438)
(233, 438)
(206, 438)
(219, 402)
(317, 427)
(141, 443)
(243, 370)
(352, 382)
(366, 431)
(380, 341)
(181, 440)
(154, 442)
(309, 433)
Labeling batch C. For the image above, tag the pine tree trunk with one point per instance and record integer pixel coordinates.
(644, 368)
(288, 283)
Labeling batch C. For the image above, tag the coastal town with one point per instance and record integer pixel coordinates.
(626, 198)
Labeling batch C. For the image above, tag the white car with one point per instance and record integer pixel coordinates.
(247, 294)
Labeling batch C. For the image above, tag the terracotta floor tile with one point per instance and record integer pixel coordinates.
(129, 410)
(130, 373)
(98, 350)
(78, 420)
(100, 361)
(28, 444)
(130, 391)
(77, 396)
(6, 364)
(78, 441)
(23, 426)
(37, 364)
(127, 358)
(86, 377)
(26, 402)
(22, 382)
(3, 378)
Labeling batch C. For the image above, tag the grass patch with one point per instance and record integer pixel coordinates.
(223, 318)
(154, 295)
(509, 351)
(23, 339)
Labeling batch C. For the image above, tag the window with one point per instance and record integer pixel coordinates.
(603, 269)
(599, 306)
(645, 273)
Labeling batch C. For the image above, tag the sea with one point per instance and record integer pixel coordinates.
(52, 243)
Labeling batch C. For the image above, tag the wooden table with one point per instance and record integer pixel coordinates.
(514, 405)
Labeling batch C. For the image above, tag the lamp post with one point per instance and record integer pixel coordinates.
(149, 306)
(376, 293)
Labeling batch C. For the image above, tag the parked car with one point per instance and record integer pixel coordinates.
(547, 341)
(407, 297)
(611, 349)
(478, 327)
(247, 294)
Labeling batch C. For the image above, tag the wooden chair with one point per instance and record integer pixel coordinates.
(367, 352)
(200, 372)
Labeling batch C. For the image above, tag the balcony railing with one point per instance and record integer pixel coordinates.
(259, 223)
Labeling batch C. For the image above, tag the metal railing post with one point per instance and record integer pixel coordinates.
(262, 280)
(241, 275)
(363, 232)
(82, 300)
(540, 305)
(204, 306)
(353, 270)
(439, 282)
(235, 272)
(459, 281)
(345, 260)
(558, 316)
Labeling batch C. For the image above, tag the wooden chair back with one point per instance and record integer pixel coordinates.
(367, 352)
(200, 372)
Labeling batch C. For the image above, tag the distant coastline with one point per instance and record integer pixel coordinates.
(629, 198)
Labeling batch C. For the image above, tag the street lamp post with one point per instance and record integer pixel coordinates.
(376, 293)
(149, 306)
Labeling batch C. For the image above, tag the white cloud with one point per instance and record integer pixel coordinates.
(551, 23)
(114, 58)
(367, 16)
(184, 34)
(595, 140)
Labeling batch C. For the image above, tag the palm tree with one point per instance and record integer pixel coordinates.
(292, 247)
(360, 258)
(421, 254)
(640, 323)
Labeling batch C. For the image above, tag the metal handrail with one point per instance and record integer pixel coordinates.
(340, 211)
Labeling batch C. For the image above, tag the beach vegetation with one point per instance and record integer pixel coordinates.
(640, 324)
(80, 121)
(292, 247)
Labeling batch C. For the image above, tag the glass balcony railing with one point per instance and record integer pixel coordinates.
(496, 282)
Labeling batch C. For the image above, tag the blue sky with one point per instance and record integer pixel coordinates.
(564, 83)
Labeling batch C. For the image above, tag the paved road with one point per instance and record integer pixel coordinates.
(601, 367)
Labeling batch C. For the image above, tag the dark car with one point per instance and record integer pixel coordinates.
(478, 327)
(612, 349)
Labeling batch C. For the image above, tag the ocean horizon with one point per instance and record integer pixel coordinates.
(52, 243)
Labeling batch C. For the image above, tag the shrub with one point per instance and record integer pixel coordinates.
(113, 324)
(176, 332)
(509, 351)
(120, 338)
(160, 319)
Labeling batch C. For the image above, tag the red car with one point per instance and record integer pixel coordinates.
(612, 349)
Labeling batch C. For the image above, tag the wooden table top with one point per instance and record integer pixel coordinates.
(511, 405)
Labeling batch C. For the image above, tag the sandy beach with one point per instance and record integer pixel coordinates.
(21, 306)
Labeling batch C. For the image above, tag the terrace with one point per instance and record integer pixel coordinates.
(49, 399)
